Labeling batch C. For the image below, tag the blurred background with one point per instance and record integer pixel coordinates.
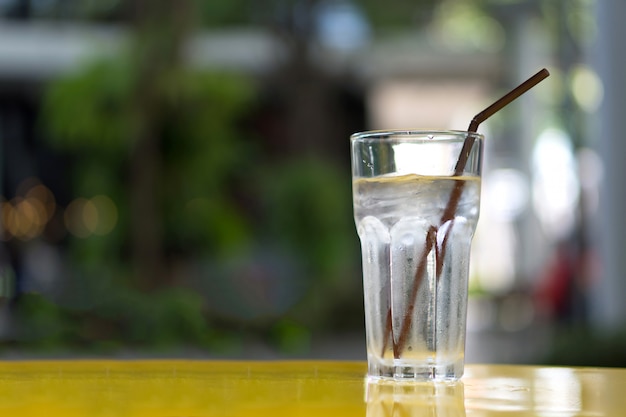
(175, 176)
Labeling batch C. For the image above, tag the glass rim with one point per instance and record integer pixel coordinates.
(385, 134)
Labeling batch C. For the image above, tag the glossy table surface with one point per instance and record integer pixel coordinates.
(298, 388)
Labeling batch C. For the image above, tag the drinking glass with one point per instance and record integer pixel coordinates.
(416, 198)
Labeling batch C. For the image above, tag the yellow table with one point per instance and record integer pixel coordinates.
(298, 388)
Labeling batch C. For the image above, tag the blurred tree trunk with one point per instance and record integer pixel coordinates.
(161, 29)
(306, 89)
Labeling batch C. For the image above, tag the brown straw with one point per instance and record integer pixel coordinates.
(448, 214)
(491, 110)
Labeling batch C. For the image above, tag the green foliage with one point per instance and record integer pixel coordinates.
(203, 146)
(165, 319)
(121, 316)
(584, 346)
(40, 323)
(91, 110)
(219, 196)
(212, 224)
(90, 115)
(388, 15)
(205, 154)
(308, 207)
(226, 12)
(397, 14)
(291, 337)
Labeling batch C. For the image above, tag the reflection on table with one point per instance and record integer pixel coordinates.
(298, 388)
(392, 399)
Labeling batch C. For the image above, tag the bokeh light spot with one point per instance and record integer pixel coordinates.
(74, 219)
(46, 199)
(106, 212)
(586, 87)
(90, 216)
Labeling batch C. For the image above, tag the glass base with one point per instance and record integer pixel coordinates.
(406, 371)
